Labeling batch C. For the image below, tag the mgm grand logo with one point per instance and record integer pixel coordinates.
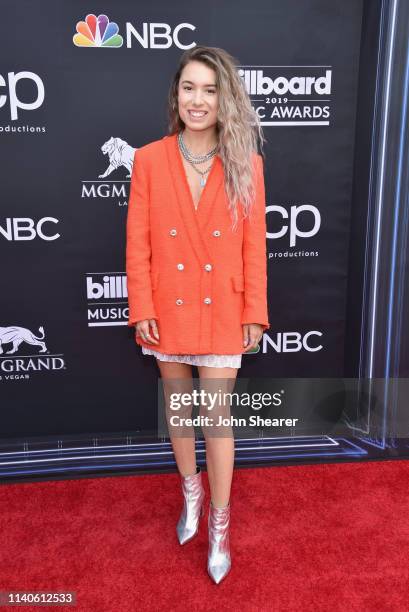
(120, 156)
(15, 363)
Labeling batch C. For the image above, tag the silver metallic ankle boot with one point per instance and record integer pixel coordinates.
(219, 561)
(193, 493)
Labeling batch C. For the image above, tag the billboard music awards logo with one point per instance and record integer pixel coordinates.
(289, 95)
(120, 162)
(15, 363)
(107, 299)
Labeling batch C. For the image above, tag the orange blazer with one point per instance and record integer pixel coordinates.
(187, 268)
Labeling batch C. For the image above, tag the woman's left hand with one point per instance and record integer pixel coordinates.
(252, 334)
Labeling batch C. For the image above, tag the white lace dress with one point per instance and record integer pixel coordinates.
(213, 361)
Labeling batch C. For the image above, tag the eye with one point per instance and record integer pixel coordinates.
(212, 91)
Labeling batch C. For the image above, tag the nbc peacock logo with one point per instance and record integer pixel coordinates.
(97, 32)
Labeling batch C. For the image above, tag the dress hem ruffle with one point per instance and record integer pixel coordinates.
(210, 360)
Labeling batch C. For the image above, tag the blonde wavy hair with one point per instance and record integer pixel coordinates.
(238, 125)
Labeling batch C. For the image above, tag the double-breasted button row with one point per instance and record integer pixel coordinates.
(207, 267)
(173, 232)
(207, 300)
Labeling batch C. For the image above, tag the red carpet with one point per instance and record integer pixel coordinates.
(316, 537)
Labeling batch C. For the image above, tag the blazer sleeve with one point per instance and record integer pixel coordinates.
(138, 246)
(255, 257)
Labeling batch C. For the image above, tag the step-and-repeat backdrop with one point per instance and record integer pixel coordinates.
(85, 84)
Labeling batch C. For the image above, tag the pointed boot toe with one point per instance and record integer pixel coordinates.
(219, 558)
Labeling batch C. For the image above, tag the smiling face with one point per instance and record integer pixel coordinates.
(197, 92)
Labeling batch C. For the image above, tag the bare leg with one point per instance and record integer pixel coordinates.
(183, 447)
(219, 451)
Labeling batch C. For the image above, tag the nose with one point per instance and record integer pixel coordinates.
(197, 98)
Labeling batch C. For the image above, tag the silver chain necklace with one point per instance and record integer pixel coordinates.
(196, 159)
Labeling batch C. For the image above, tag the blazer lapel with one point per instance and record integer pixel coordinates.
(195, 220)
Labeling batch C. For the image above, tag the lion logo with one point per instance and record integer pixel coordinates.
(120, 154)
(16, 335)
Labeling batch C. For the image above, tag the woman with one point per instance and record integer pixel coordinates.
(196, 263)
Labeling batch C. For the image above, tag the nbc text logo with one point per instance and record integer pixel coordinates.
(25, 228)
(293, 342)
(100, 32)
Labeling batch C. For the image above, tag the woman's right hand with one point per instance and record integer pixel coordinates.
(142, 330)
